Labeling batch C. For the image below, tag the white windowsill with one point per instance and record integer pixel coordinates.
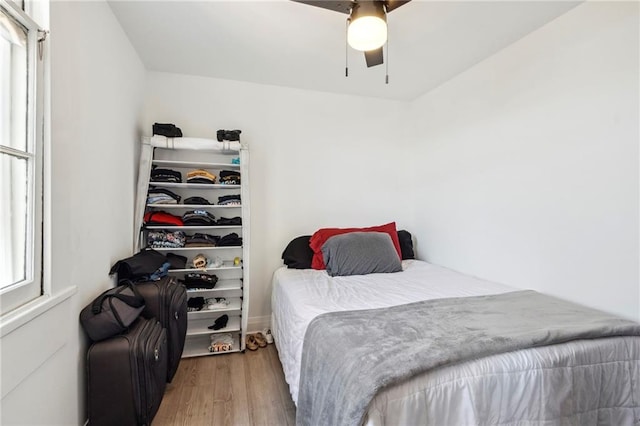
(33, 309)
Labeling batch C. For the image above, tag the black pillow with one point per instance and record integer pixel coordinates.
(406, 245)
(298, 254)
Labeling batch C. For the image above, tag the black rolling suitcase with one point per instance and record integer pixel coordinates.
(166, 300)
(126, 376)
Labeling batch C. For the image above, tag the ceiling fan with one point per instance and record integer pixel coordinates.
(367, 22)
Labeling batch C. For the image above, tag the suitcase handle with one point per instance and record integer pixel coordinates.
(134, 301)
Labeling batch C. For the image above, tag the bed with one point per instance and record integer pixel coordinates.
(580, 382)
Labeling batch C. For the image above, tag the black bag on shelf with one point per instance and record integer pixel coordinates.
(228, 135)
(112, 312)
(167, 129)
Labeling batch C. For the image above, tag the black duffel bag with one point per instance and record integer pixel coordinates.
(112, 312)
(140, 266)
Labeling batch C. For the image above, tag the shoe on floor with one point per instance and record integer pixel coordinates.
(251, 343)
(267, 335)
(260, 340)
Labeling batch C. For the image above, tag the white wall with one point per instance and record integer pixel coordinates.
(317, 159)
(97, 82)
(526, 165)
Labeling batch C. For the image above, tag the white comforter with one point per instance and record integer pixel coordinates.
(500, 389)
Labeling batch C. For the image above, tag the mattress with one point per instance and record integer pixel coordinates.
(501, 389)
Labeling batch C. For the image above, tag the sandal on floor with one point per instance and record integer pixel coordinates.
(260, 340)
(252, 345)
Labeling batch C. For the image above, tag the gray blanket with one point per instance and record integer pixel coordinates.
(349, 356)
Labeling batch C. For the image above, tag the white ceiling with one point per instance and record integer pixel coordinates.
(290, 44)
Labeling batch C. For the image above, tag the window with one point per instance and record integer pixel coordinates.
(21, 149)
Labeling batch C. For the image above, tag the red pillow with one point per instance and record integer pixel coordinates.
(322, 235)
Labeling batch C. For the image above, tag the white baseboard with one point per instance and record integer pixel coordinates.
(255, 324)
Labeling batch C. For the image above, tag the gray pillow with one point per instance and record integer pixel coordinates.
(360, 253)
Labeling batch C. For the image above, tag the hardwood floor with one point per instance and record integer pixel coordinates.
(233, 389)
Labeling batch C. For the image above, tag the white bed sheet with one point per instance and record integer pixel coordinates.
(299, 295)
(501, 389)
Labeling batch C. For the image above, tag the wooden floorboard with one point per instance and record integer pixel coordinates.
(231, 389)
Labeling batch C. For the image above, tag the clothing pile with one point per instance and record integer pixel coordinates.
(231, 239)
(213, 303)
(221, 342)
(162, 218)
(195, 304)
(225, 221)
(197, 201)
(201, 240)
(201, 176)
(165, 175)
(229, 177)
(229, 200)
(198, 218)
(162, 196)
(199, 280)
(146, 265)
(166, 239)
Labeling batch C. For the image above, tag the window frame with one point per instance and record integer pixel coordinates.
(32, 287)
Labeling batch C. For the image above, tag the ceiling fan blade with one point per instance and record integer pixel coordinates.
(344, 6)
(394, 4)
(374, 57)
(336, 6)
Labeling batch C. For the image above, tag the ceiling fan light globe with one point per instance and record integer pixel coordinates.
(367, 33)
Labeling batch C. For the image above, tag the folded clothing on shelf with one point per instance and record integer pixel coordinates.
(230, 177)
(168, 239)
(201, 176)
(162, 218)
(201, 240)
(162, 196)
(229, 200)
(194, 280)
(195, 304)
(213, 303)
(222, 342)
(196, 200)
(198, 218)
(165, 175)
(231, 239)
(225, 221)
